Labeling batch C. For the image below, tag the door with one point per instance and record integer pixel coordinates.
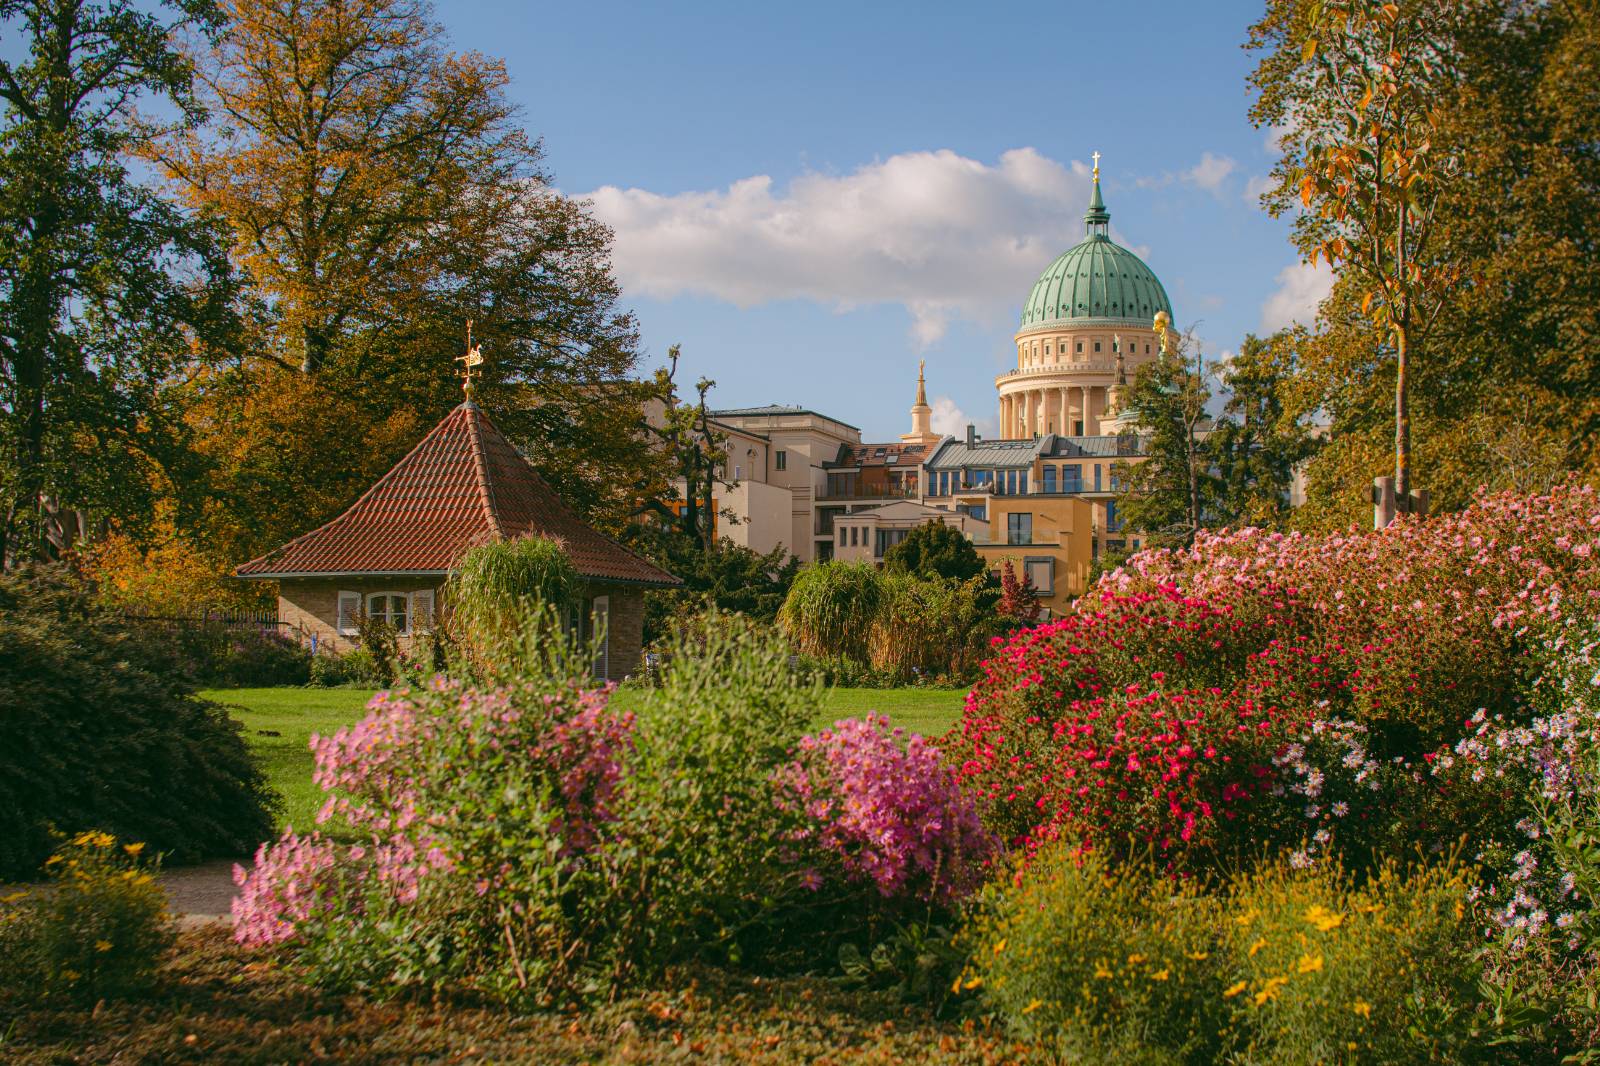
(600, 619)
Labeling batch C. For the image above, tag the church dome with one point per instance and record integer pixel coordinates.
(1096, 281)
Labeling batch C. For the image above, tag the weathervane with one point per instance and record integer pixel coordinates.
(470, 362)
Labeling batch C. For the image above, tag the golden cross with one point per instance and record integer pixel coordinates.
(1096, 157)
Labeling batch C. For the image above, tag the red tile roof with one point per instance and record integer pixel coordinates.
(463, 485)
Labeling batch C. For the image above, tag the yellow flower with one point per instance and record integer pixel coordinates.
(1102, 973)
(1235, 989)
(998, 948)
(1199, 956)
(1362, 1007)
(974, 983)
(134, 849)
(102, 945)
(956, 987)
(1260, 943)
(1310, 964)
(1160, 975)
(1135, 959)
(1324, 919)
(1032, 1006)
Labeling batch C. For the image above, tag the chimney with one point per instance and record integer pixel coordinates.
(972, 434)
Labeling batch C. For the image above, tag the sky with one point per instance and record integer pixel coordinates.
(811, 197)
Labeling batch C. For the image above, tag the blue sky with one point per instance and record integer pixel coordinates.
(811, 197)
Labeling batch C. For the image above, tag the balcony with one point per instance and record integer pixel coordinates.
(866, 492)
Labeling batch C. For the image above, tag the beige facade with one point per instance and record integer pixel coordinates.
(322, 613)
(1064, 377)
(865, 534)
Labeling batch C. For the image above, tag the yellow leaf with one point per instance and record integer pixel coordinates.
(1260, 943)
(1235, 989)
(1310, 964)
(1032, 1006)
(1366, 98)
(1308, 49)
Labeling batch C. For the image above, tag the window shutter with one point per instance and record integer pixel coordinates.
(422, 610)
(349, 609)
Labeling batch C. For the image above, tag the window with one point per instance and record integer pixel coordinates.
(1022, 482)
(738, 473)
(1019, 529)
(1049, 480)
(600, 627)
(1042, 573)
(978, 511)
(390, 607)
(886, 539)
(1113, 520)
(1072, 477)
(781, 460)
(1097, 469)
(1097, 346)
(1080, 346)
(1077, 428)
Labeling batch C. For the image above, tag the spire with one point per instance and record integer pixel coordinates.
(1097, 218)
(922, 388)
(921, 414)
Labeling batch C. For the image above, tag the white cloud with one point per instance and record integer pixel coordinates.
(1301, 289)
(944, 236)
(1210, 172)
(1256, 187)
(952, 420)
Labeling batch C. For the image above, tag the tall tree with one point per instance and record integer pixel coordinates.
(1259, 442)
(100, 279)
(380, 192)
(1358, 90)
(1169, 493)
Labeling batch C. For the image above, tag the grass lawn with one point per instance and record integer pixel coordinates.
(279, 722)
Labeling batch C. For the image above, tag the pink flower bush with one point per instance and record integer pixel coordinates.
(414, 773)
(887, 810)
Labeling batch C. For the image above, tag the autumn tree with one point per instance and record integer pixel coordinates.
(1357, 89)
(380, 191)
(102, 283)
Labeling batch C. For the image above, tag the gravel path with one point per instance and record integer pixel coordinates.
(198, 895)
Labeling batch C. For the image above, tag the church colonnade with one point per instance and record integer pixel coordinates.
(1045, 409)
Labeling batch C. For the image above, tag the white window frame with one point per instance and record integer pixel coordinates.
(600, 622)
(402, 596)
(344, 618)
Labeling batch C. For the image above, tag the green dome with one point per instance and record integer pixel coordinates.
(1096, 281)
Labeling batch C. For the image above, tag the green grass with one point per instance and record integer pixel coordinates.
(278, 723)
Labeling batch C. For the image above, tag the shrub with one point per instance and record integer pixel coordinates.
(352, 668)
(216, 655)
(831, 607)
(926, 627)
(531, 842)
(100, 930)
(935, 550)
(99, 730)
(1100, 963)
(1115, 963)
(1321, 968)
(885, 809)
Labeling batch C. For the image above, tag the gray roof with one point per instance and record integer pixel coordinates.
(773, 409)
(1003, 454)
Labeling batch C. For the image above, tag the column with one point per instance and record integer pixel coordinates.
(1039, 422)
(1002, 421)
(1088, 428)
(1066, 412)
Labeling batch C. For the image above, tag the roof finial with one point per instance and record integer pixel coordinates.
(1097, 217)
(922, 389)
(470, 363)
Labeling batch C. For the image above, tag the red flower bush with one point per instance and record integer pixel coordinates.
(1183, 705)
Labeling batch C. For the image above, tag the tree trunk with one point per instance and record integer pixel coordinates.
(1402, 416)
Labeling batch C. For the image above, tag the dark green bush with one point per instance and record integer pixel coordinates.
(100, 729)
(216, 655)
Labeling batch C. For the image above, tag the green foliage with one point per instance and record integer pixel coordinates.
(107, 286)
(697, 869)
(1101, 963)
(729, 577)
(1171, 493)
(831, 608)
(1258, 442)
(500, 595)
(99, 730)
(99, 931)
(929, 628)
(1124, 964)
(354, 668)
(935, 550)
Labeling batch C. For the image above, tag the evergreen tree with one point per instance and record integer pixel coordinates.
(1172, 492)
(1257, 444)
(935, 550)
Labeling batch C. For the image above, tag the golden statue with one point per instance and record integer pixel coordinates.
(1163, 328)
